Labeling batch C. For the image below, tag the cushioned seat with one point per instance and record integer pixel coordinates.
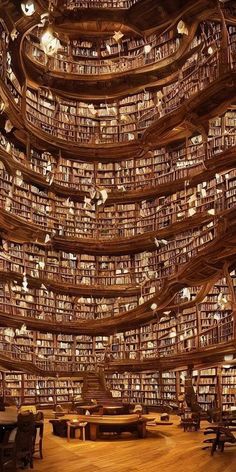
(60, 427)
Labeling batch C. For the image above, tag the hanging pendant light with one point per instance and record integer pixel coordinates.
(182, 28)
(28, 7)
(147, 48)
(50, 44)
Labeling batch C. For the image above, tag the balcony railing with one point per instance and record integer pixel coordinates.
(222, 332)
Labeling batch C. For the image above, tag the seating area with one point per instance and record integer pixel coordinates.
(21, 439)
(95, 425)
(222, 436)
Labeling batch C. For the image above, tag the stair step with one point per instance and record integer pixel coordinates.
(95, 389)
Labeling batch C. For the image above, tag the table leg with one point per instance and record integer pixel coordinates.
(93, 429)
(141, 427)
(68, 432)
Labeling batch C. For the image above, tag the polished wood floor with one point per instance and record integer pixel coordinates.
(167, 448)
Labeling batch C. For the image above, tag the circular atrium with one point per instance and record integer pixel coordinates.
(118, 227)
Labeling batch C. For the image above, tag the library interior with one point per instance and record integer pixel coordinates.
(118, 235)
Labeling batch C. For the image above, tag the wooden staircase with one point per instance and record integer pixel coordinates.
(94, 388)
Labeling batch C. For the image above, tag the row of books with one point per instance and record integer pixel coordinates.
(154, 388)
(70, 218)
(161, 166)
(85, 57)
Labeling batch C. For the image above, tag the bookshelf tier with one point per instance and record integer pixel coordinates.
(42, 309)
(81, 57)
(214, 387)
(126, 119)
(119, 122)
(159, 172)
(90, 219)
(188, 329)
(202, 268)
(124, 276)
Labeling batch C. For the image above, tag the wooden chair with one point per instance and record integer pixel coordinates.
(25, 439)
(222, 435)
(59, 427)
(190, 421)
(38, 434)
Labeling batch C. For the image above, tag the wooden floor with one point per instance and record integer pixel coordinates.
(166, 449)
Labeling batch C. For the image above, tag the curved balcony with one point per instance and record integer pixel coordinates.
(127, 119)
(114, 123)
(159, 133)
(109, 59)
(204, 268)
(159, 172)
(40, 305)
(68, 219)
(180, 354)
(124, 276)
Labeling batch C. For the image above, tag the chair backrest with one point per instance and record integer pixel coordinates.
(39, 416)
(25, 433)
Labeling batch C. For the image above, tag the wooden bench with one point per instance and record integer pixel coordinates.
(113, 423)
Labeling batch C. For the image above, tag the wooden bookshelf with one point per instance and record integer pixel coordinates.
(228, 387)
(72, 219)
(214, 387)
(159, 167)
(30, 389)
(146, 276)
(84, 57)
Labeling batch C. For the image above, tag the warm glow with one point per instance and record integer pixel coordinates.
(229, 357)
(147, 48)
(49, 42)
(28, 8)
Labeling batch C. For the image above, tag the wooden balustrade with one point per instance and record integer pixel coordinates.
(76, 4)
(125, 119)
(109, 58)
(61, 356)
(72, 219)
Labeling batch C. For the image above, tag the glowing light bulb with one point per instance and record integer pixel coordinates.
(49, 42)
(28, 8)
(147, 48)
(182, 28)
